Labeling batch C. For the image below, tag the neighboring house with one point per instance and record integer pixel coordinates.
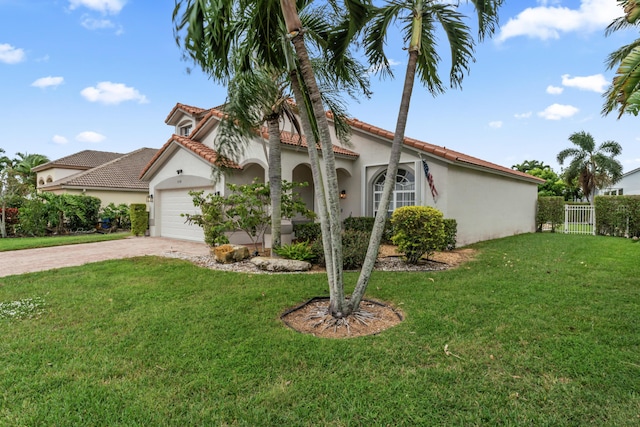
(111, 177)
(487, 200)
(628, 185)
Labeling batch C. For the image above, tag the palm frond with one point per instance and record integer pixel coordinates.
(625, 83)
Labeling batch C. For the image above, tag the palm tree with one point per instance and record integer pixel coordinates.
(422, 19)
(592, 167)
(24, 163)
(624, 92)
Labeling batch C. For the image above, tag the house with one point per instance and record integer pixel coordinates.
(487, 200)
(628, 185)
(111, 177)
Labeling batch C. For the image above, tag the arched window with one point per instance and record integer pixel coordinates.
(404, 192)
(49, 179)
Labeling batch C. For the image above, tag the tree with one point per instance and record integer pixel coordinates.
(422, 57)
(624, 92)
(593, 167)
(23, 165)
(528, 165)
(421, 22)
(255, 71)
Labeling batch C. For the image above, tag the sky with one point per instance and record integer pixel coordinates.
(104, 75)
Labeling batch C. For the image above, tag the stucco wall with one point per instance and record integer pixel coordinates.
(488, 206)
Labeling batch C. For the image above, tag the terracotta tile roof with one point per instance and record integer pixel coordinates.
(198, 148)
(443, 152)
(287, 138)
(83, 160)
(194, 111)
(121, 173)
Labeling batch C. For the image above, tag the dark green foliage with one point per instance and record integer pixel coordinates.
(307, 231)
(354, 249)
(419, 230)
(300, 251)
(34, 218)
(550, 210)
(450, 234)
(139, 218)
(365, 223)
(58, 213)
(118, 216)
(618, 215)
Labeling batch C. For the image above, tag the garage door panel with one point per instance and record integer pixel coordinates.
(173, 203)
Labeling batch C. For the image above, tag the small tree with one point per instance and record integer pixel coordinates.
(419, 230)
(246, 208)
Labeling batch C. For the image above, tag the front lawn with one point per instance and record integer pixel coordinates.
(17, 243)
(541, 329)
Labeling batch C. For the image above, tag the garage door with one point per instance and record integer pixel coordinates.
(172, 204)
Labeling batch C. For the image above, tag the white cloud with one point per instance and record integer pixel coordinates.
(92, 137)
(10, 54)
(495, 124)
(548, 22)
(58, 139)
(45, 82)
(522, 115)
(595, 83)
(558, 112)
(112, 93)
(554, 90)
(96, 24)
(104, 6)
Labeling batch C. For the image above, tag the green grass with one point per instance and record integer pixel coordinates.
(14, 244)
(546, 327)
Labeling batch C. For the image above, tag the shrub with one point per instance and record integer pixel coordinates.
(307, 231)
(450, 234)
(139, 218)
(618, 215)
(550, 210)
(300, 251)
(118, 216)
(34, 218)
(365, 223)
(354, 248)
(419, 230)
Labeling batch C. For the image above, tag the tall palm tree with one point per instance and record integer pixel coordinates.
(624, 92)
(422, 19)
(592, 167)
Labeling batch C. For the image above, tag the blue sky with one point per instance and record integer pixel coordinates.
(104, 74)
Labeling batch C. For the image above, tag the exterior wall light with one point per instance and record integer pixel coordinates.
(150, 198)
(343, 194)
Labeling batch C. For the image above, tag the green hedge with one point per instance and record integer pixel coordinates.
(450, 234)
(365, 223)
(139, 218)
(618, 215)
(307, 231)
(550, 210)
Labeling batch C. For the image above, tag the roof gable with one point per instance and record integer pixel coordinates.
(82, 160)
(121, 173)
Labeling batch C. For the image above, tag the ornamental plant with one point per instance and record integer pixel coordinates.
(419, 230)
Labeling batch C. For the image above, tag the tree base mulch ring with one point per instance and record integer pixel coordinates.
(312, 318)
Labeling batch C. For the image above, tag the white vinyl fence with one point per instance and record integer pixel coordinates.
(580, 219)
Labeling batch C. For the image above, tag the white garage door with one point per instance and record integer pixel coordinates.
(172, 204)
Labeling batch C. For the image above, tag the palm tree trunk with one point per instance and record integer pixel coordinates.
(338, 305)
(389, 183)
(275, 183)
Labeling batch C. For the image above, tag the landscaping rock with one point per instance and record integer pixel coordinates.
(280, 264)
(227, 254)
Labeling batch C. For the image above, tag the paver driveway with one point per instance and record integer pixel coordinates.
(29, 260)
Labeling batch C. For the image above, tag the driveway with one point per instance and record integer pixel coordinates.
(30, 260)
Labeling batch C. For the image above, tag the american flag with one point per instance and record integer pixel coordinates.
(429, 177)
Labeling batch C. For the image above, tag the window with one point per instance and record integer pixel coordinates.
(404, 192)
(185, 130)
